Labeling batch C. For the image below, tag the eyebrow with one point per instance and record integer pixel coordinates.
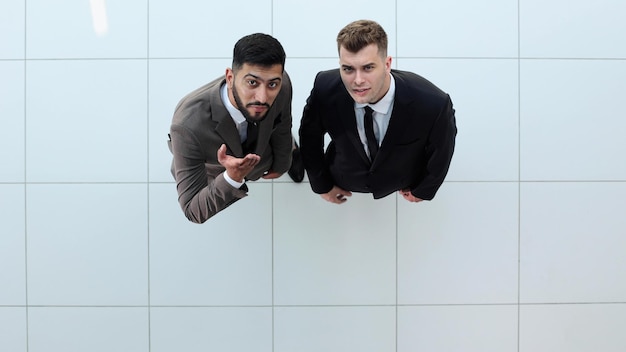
(260, 79)
(364, 65)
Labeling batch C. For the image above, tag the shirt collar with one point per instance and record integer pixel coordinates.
(384, 104)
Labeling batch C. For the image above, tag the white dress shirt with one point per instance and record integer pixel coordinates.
(381, 115)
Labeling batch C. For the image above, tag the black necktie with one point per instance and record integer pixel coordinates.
(253, 133)
(372, 143)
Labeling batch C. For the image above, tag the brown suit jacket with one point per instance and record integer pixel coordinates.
(201, 124)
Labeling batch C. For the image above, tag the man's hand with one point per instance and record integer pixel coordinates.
(406, 193)
(336, 195)
(237, 168)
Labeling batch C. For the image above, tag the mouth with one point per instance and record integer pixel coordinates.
(258, 108)
(361, 92)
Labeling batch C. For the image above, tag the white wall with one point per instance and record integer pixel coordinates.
(521, 250)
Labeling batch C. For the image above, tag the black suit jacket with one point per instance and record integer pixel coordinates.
(415, 152)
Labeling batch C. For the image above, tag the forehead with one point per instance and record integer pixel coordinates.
(367, 55)
(265, 73)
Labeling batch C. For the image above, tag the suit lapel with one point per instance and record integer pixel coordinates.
(395, 129)
(399, 113)
(345, 108)
(226, 127)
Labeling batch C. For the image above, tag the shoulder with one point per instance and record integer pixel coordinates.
(286, 88)
(286, 82)
(411, 86)
(328, 84)
(198, 102)
(328, 77)
(412, 81)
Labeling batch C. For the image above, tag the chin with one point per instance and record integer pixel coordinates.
(257, 117)
(360, 99)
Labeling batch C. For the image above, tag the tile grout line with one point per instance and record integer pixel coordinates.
(26, 311)
(512, 58)
(148, 173)
(273, 318)
(397, 203)
(519, 172)
(391, 305)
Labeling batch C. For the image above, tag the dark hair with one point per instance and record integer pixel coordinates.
(258, 49)
(359, 34)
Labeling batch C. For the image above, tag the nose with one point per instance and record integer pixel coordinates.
(261, 95)
(358, 78)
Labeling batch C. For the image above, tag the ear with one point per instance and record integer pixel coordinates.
(230, 77)
(388, 64)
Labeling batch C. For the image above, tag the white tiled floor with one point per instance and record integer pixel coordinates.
(192, 29)
(86, 121)
(223, 262)
(458, 328)
(572, 121)
(579, 328)
(12, 113)
(71, 21)
(309, 29)
(520, 251)
(333, 254)
(461, 248)
(450, 28)
(211, 329)
(572, 29)
(87, 244)
(97, 329)
(12, 34)
(572, 242)
(12, 245)
(13, 329)
(334, 329)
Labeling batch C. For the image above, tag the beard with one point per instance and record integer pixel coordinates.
(243, 107)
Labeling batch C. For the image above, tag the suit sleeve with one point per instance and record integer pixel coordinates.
(439, 151)
(200, 194)
(312, 132)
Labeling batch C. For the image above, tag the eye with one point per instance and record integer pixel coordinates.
(369, 68)
(347, 69)
(252, 82)
(273, 84)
